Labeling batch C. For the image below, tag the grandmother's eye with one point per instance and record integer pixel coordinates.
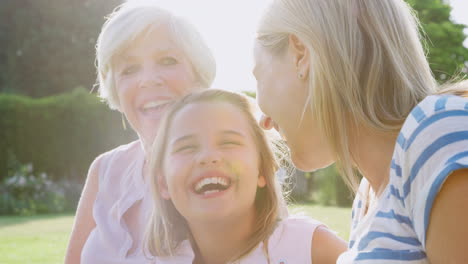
(129, 69)
(168, 60)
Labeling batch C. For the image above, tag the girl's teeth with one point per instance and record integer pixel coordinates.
(210, 192)
(214, 180)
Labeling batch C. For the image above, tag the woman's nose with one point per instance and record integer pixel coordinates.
(150, 77)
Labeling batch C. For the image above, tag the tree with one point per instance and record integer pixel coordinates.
(446, 53)
(47, 46)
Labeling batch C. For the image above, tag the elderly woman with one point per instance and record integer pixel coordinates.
(347, 81)
(146, 58)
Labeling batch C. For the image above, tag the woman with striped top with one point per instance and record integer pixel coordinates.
(347, 81)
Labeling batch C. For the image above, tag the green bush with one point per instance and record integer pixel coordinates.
(24, 193)
(330, 189)
(60, 135)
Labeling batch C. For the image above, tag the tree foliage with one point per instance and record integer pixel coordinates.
(47, 46)
(446, 53)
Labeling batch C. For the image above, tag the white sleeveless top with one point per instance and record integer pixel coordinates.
(290, 243)
(121, 185)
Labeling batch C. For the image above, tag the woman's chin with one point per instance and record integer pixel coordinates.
(148, 132)
(309, 162)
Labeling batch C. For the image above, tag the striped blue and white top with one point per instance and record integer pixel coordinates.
(432, 143)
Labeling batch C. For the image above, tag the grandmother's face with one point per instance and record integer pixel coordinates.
(149, 76)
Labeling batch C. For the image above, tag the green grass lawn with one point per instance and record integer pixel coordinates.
(34, 239)
(336, 218)
(43, 239)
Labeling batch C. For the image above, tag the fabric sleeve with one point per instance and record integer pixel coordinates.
(435, 148)
(292, 240)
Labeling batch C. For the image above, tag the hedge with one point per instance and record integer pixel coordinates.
(330, 188)
(60, 135)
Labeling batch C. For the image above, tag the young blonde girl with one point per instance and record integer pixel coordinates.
(214, 133)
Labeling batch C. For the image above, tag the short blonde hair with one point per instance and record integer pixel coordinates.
(367, 64)
(168, 228)
(133, 19)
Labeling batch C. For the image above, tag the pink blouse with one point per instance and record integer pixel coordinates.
(121, 185)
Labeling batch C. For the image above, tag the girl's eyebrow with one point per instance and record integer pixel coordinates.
(183, 138)
(233, 132)
(191, 136)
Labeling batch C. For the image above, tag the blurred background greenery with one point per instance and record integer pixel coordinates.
(52, 125)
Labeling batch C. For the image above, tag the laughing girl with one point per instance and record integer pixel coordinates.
(215, 193)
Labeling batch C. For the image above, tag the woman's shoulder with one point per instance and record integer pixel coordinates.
(434, 131)
(117, 159)
(433, 109)
(432, 144)
(439, 103)
(123, 152)
(124, 149)
(434, 117)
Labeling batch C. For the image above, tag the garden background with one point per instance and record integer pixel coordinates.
(52, 125)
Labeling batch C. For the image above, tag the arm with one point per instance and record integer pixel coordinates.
(448, 225)
(84, 221)
(326, 246)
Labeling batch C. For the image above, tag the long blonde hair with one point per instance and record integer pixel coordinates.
(168, 228)
(455, 88)
(367, 64)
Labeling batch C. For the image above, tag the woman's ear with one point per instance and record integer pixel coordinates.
(163, 189)
(261, 182)
(301, 56)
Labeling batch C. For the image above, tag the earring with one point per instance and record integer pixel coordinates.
(123, 122)
(300, 75)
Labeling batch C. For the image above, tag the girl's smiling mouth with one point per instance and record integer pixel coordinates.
(211, 184)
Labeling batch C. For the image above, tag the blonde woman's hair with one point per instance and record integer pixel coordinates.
(455, 88)
(168, 228)
(134, 19)
(367, 64)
